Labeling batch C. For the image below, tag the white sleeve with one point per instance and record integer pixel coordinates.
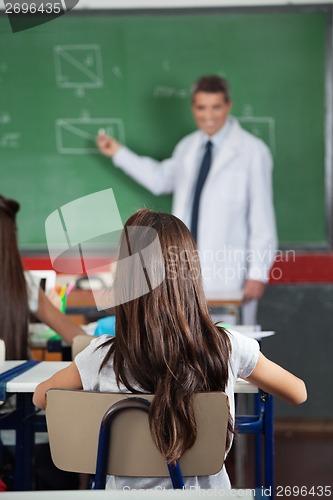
(244, 354)
(89, 361)
(33, 284)
(156, 176)
(262, 236)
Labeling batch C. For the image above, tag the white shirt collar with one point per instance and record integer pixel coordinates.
(218, 138)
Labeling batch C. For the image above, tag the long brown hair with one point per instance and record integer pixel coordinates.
(165, 340)
(13, 290)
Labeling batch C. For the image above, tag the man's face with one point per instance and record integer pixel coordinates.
(210, 111)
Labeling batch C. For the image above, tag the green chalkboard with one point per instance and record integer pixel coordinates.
(131, 74)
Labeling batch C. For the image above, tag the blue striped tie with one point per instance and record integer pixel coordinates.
(203, 172)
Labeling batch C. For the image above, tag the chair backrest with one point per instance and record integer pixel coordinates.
(73, 421)
(79, 343)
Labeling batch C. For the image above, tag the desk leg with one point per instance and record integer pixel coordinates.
(241, 403)
(269, 445)
(258, 445)
(24, 443)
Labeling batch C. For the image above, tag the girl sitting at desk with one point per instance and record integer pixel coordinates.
(166, 344)
(21, 293)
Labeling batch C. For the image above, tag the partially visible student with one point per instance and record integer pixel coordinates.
(166, 344)
(20, 293)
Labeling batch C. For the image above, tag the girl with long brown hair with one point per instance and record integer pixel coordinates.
(20, 293)
(166, 344)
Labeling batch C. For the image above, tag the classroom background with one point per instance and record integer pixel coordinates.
(128, 68)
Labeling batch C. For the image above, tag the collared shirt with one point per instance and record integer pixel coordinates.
(217, 139)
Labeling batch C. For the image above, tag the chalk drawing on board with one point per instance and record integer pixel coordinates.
(117, 72)
(167, 92)
(10, 140)
(78, 66)
(78, 135)
(5, 118)
(262, 127)
(3, 69)
(166, 65)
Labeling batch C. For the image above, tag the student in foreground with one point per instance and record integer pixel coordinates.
(20, 293)
(166, 344)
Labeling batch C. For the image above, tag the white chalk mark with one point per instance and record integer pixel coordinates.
(261, 126)
(10, 140)
(117, 71)
(166, 65)
(78, 135)
(84, 59)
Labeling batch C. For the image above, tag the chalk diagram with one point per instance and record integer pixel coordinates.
(167, 91)
(260, 126)
(78, 135)
(8, 140)
(78, 66)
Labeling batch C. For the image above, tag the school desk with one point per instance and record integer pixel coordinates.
(81, 304)
(22, 377)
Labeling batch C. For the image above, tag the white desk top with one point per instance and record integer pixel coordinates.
(8, 365)
(28, 381)
(256, 335)
(251, 331)
(124, 495)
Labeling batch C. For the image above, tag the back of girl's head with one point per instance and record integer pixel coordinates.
(8, 211)
(160, 252)
(8, 207)
(162, 278)
(165, 340)
(13, 293)
(8, 243)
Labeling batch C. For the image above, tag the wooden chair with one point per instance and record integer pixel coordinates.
(79, 343)
(79, 423)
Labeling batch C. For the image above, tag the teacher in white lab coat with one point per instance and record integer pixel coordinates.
(221, 180)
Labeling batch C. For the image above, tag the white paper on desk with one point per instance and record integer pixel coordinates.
(258, 335)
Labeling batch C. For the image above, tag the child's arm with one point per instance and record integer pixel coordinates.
(56, 320)
(277, 381)
(68, 378)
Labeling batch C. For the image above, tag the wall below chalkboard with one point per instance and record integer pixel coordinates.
(131, 75)
(301, 316)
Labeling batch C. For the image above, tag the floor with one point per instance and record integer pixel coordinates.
(303, 457)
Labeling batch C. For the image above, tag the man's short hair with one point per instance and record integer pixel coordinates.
(212, 84)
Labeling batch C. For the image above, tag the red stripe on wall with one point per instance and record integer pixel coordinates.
(37, 263)
(289, 267)
(303, 268)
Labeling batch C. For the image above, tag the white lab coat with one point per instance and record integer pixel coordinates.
(236, 227)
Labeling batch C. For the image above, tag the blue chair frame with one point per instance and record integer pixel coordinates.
(104, 442)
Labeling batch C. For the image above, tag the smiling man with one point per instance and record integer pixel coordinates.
(221, 180)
